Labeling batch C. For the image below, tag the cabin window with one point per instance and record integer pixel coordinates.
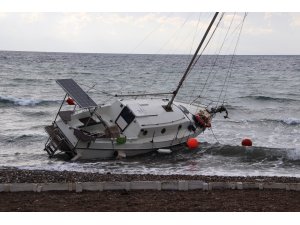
(163, 130)
(125, 118)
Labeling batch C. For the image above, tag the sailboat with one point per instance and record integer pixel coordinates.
(126, 127)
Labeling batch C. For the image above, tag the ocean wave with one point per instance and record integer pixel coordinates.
(255, 154)
(287, 121)
(6, 100)
(291, 121)
(23, 138)
(268, 98)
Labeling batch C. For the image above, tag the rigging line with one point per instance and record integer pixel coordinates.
(189, 56)
(153, 80)
(196, 60)
(146, 37)
(231, 65)
(141, 42)
(201, 68)
(159, 69)
(229, 28)
(213, 65)
(208, 82)
(236, 28)
(230, 71)
(169, 105)
(195, 34)
(173, 35)
(93, 87)
(214, 135)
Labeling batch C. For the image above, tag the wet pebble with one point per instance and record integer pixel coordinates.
(12, 175)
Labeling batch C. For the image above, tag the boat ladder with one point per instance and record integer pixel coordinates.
(53, 146)
(54, 141)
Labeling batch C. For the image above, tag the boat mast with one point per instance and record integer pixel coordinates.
(168, 107)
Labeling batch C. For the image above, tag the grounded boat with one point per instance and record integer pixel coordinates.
(125, 127)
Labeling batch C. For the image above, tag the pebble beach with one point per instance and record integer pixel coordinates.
(144, 200)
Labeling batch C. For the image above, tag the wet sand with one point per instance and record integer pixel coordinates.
(196, 200)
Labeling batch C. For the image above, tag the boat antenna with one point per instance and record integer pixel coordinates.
(168, 106)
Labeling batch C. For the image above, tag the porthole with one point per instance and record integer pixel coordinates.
(179, 127)
(163, 130)
(145, 132)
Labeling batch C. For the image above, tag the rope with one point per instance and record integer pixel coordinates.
(230, 70)
(214, 64)
(204, 49)
(214, 135)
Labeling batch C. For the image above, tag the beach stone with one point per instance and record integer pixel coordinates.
(17, 187)
(1, 187)
(231, 185)
(281, 186)
(158, 185)
(205, 186)
(250, 185)
(114, 186)
(127, 186)
(293, 187)
(183, 185)
(239, 185)
(143, 185)
(39, 188)
(195, 184)
(169, 185)
(55, 187)
(91, 186)
(72, 186)
(78, 187)
(218, 185)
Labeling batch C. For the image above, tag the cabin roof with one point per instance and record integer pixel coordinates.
(150, 112)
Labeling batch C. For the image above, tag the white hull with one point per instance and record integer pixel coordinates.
(106, 150)
(124, 128)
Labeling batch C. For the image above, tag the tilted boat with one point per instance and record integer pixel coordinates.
(125, 127)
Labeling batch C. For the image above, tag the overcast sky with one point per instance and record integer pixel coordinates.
(171, 33)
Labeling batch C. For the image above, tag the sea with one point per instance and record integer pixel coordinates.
(261, 94)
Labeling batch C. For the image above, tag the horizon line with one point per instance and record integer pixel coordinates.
(114, 53)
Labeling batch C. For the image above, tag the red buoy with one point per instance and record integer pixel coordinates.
(70, 101)
(192, 143)
(246, 142)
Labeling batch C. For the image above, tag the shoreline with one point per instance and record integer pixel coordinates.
(14, 175)
(215, 200)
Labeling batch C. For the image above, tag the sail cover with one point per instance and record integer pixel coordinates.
(76, 92)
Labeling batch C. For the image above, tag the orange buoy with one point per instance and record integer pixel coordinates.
(192, 143)
(70, 101)
(246, 142)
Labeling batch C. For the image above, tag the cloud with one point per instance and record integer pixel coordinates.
(295, 21)
(31, 17)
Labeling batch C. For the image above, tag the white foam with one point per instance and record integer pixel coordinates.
(291, 121)
(294, 154)
(21, 101)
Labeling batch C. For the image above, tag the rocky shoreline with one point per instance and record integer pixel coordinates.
(143, 200)
(13, 175)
